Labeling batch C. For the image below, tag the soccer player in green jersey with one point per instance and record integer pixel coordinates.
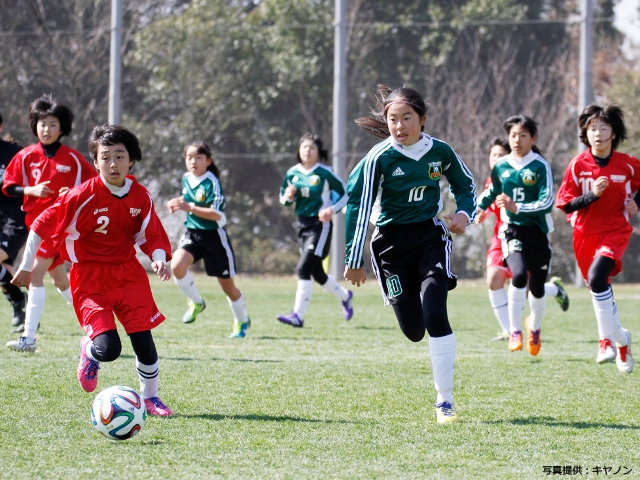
(522, 184)
(206, 238)
(397, 187)
(318, 194)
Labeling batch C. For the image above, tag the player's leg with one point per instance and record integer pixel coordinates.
(14, 295)
(554, 288)
(58, 274)
(517, 295)
(496, 277)
(180, 263)
(537, 305)
(304, 289)
(13, 236)
(235, 298)
(104, 347)
(147, 365)
(35, 306)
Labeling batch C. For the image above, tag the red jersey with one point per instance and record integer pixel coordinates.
(608, 212)
(91, 224)
(30, 167)
(496, 211)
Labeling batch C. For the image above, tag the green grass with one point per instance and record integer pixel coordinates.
(335, 399)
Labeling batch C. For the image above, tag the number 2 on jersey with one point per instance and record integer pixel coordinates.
(103, 221)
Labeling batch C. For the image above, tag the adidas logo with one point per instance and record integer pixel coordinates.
(505, 174)
(439, 265)
(398, 171)
(226, 272)
(544, 267)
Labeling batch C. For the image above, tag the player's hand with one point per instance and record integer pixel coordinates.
(457, 223)
(600, 185)
(325, 214)
(62, 190)
(630, 206)
(161, 269)
(356, 276)
(506, 202)
(290, 192)
(41, 190)
(481, 216)
(21, 279)
(178, 203)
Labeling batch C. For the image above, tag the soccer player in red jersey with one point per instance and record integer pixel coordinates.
(596, 192)
(95, 226)
(40, 173)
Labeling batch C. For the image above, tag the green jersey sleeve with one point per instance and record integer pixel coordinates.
(489, 195)
(338, 189)
(462, 185)
(285, 183)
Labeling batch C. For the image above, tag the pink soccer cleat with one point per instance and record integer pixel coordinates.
(156, 407)
(88, 368)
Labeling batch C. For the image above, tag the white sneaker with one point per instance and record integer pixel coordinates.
(624, 360)
(606, 352)
(23, 344)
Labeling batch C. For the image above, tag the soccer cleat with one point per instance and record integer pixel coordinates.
(347, 307)
(23, 344)
(445, 412)
(240, 329)
(291, 319)
(500, 336)
(193, 311)
(156, 407)
(606, 352)
(624, 360)
(87, 368)
(533, 339)
(19, 313)
(562, 298)
(515, 341)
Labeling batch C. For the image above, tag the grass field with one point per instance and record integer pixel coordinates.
(331, 400)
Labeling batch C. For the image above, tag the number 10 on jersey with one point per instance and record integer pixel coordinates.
(416, 194)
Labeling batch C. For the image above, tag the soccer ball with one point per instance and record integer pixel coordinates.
(118, 413)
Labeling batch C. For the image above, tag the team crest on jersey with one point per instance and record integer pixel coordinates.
(63, 168)
(201, 195)
(314, 180)
(135, 211)
(618, 178)
(435, 170)
(529, 177)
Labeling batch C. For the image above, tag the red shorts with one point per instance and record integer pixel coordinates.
(101, 290)
(495, 257)
(610, 244)
(45, 251)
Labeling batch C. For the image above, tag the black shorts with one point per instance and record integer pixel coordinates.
(532, 242)
(14, 232)
(404, 255)
(214, 247)
(314, 235)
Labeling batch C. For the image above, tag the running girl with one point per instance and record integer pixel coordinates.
(596, 193)
(203, 200)
(497, 272)
(95, 226)
(522, 184)
(318, 194)
(40, 173)
(399, 180)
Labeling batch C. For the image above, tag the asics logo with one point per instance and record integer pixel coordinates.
(397, 172)
(586, 174)
(98, 210)
(155, 317)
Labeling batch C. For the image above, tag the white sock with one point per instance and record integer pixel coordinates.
(67, 295)
(517, 299)
(238, 309)
(35, 305)
(87, 350)
(188, 287)
(334, 288)
(603, 306)
(500, 304)
(619, 335)
(303, 297)
(551, 289)
(537, 306)
(443, 355)
(148, 375)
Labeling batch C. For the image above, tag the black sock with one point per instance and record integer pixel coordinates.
(10, 291)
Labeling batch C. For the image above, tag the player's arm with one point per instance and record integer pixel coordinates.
(338, 194)
(570, 196)
(287, 191)
(154, 242)
(489, 195)
(463, 188)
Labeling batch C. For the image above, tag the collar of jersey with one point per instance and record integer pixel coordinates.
(195, 181)
(307, 172)
(520, 163)
(424, 138)
(118, 191)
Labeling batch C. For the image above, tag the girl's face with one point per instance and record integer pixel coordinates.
(496, 152)
(196, 163)
(521, 141)
(112, 161)
(600, 136)
(404, 123)
(309, 153)
(48, 129)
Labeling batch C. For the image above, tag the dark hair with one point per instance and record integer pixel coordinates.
(527, 123)
(377, 124)
(205, 150)
(1, 120)
(46, 105)
(323, 155)
(109, 135)
(611, 115)
(500, 142)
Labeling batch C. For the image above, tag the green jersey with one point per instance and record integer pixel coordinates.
(394, 184)
(203, 191)
(529, 182)
(316, 188)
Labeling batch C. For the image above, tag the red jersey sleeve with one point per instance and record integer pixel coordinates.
(635, 174)
(570, 188)
(53, 221)
(13, 173)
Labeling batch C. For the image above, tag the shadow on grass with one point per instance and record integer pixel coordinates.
(362, 327)
(553, 422)
(261, 418)
(214, 359)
